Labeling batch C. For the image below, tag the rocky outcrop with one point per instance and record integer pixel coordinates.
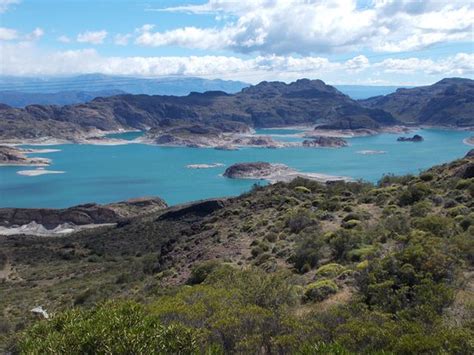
(257, 170)
(415, 138)
(325, 142)
(470, 154)
(81, 215)
(194, 209)
(17, 157)
(449, 102)
(274, 173)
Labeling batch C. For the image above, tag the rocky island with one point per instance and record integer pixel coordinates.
(274, 173)
(325, 142)
(223, 136)
(12, 156)
(415, 138)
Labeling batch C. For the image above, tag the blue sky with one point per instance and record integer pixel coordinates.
(381, 42)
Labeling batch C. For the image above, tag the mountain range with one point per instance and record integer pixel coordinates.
(21, 91)
(267, 104)
(447, 102)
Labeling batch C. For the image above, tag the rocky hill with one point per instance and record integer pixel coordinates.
(266, 104)
(449, 102)
(300, 267)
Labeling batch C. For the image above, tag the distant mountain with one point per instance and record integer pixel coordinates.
(22, 99)
(267, 104)
(449, 102)
(360, 92)
(133, 85)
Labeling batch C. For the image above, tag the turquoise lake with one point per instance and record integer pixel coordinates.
(112, 173)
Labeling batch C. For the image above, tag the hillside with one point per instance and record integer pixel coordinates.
(291, 267)
(449, 102)
(263, 105)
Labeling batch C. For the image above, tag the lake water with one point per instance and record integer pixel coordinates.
(112, 173)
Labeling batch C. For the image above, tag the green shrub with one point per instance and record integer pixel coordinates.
(320, 290)
(299, 219)
(112, 328)
(352, 223)
(330, 270)
(302, 189)
(200, 272)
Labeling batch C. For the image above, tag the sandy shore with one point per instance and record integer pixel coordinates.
(469, 141)
(38, 172)
(39, 230)
(371, 152)
(204, 166)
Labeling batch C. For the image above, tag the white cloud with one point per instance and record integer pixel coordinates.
(5, 4)
(122, 39)
(190, 37)
(37, 33)
(459, 64)
(8, 34)
(317, 26)
(26, 59)
(92, 37)
(64, 39)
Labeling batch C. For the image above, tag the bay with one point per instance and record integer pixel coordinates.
(105, 174)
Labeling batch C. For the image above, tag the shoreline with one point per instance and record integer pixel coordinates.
(469, 141)
(99, 137)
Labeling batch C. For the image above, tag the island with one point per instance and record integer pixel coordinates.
(325, 142)
(12, 156)
(223, 136)
(274, 173)
(415, 138)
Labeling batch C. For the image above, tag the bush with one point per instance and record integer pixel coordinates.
(298, 220)
(307, 253)
(320, 290)
(330, 270)
(200, 272)
(352, 223)
(413, 193)
(112, 328)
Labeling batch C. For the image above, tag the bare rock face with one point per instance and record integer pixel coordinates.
(415, 138)
(470, 154)
(325, 142)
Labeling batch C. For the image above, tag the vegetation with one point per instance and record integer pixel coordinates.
(300, 268)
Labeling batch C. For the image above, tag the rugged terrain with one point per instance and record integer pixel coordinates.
(263, 105)
(449, 102)
(291, 267)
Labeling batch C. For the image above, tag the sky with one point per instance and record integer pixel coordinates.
(370, 42)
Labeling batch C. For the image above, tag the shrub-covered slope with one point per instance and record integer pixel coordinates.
(298, 267)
